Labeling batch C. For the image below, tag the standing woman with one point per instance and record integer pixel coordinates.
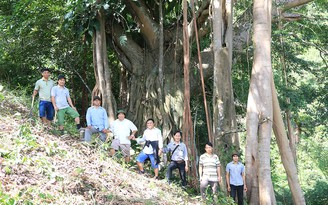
(209, 170)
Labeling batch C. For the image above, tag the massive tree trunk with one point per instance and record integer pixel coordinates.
(143, 64)
(259, 110)
(224, 117)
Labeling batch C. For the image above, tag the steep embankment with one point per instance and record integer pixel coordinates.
(39, 168)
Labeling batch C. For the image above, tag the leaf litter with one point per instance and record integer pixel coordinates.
(37, 167)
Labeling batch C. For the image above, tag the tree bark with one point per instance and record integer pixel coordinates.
(259, 110)
(285, 151)
(188, 134)
(224, 118)
(102, 72)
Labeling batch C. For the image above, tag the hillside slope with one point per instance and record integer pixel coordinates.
(37, 167)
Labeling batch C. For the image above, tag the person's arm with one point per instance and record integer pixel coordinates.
(228, 180)
(88, 118)
(133, 134)
(244, 180)
(36, 89)
(185, 156)
(141, 139)
(105, 123)
(160, 143)
(53, 100)
(35, 92)
(69, 100)
(218, 173)
(200, 171)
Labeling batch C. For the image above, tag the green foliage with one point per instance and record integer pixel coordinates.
(6, 199)
(218, 198)
(317, 195)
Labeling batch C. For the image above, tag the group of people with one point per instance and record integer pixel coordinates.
(54, 100)
(209, 172)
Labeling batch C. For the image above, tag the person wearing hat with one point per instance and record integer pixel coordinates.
(43, 88)
(97, 121)
(236, 179)
(63, 104)
(123, 131)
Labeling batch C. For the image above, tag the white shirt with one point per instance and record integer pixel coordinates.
(122, 130)
(151, 135)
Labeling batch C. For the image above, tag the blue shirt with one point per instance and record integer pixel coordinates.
(97, 118)
(61, 94)
(236, 173)
(180, 153)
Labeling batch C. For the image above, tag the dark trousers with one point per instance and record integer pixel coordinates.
(240, 193)
(181, 166)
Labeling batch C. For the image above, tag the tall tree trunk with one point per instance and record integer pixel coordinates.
(224, 117)
(285, 151)
(188, 134)
(102, 72)
(259, 108)
(291, 136)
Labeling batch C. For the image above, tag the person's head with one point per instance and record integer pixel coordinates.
(209, 147)
(61, 80)
(121, 114)
(45, 72)
(96, 101)
(235, 157)
(177, 136)
(150, 123)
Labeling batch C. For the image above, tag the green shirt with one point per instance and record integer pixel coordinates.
(44, 88)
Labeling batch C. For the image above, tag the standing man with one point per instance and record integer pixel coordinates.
(236, 179)
(209, 170)
(62, 103)
(43, 87)
(152, 137)
(97, 121)
(123, 130)
(179, 158)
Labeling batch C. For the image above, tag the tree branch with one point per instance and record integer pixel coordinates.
(127, 49)
(148, 27)
(201, 17)
(293, 4)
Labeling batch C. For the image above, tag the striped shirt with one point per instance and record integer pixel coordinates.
(210, 163)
